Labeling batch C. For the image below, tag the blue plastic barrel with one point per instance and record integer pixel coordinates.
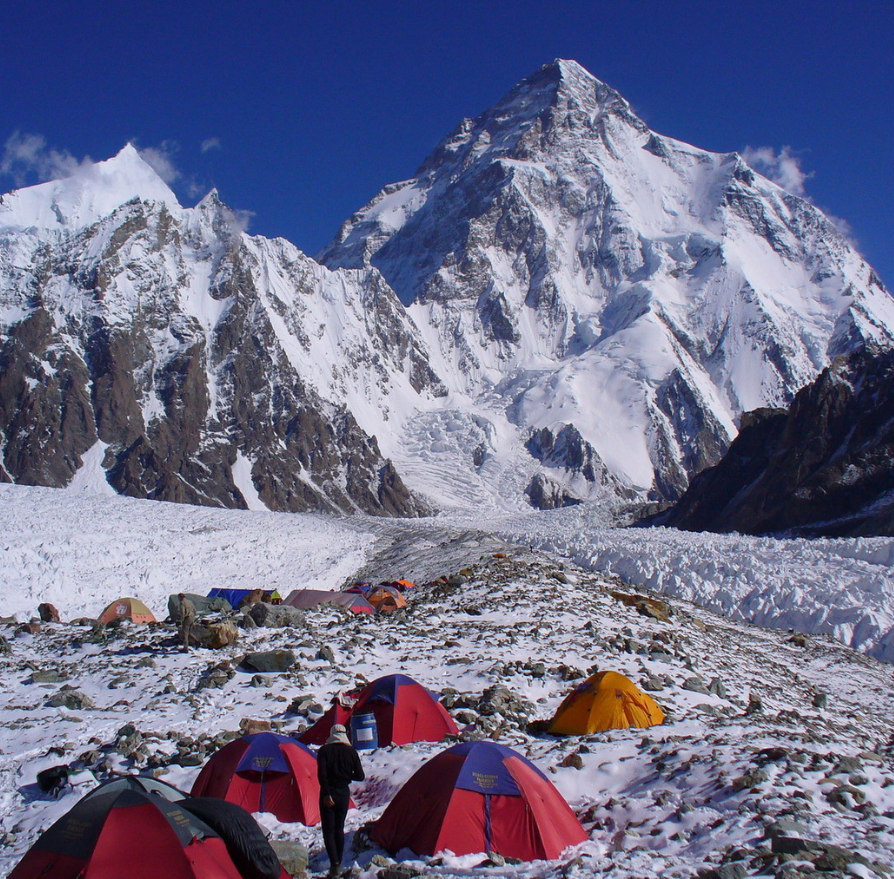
(364, 733)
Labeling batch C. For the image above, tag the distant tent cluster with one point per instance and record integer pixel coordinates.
(362, 597)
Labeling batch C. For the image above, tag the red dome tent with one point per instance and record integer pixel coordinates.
(479, 797)
(120, 830)
(264, 773)
(404, 710)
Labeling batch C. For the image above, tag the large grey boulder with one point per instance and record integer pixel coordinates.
(71, 698)
(292, 856)
(214, 635)
(276, 616)
(204, 605)
(269, 660)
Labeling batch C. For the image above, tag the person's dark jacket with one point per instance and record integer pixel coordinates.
(337, 766)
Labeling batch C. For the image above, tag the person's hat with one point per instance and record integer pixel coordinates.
(338, 728)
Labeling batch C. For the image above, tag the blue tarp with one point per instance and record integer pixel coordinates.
(234, 596)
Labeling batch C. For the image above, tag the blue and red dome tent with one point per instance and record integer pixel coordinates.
(264, 772)
(404, 710)
(122, 830)
(479, 797)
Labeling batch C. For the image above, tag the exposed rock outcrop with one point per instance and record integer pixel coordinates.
(823, 467)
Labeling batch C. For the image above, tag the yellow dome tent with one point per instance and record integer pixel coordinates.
(127, 609)
(607, 700)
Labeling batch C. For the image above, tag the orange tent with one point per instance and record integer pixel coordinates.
(386, 599)
(127, 609)
(607, 700)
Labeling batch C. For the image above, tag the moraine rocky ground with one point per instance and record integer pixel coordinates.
(776, 759)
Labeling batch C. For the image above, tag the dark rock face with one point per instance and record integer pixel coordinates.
(174, 391)
(573, 460)
(824, 467)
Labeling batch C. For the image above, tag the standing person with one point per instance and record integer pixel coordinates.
(187, 618)
(338, 764)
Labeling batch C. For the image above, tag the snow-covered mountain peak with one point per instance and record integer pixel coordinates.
(556, 249)
(94, 191)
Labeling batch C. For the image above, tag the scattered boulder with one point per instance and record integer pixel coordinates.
(399, 871)
(217, 676)
(572, 760)
(275, 616)
(292, 856)
(214, 636)
(269, 660)
(750, 779)
(696, 685)
(256, 596)
(847, 796)
(303, 705)
(52, 780)
(71, 698)
(48, 676)
(251, 726)
(848, 764)
(48, 613)
(717, 688)
(648, 607)
(733, 870)
(510, 706)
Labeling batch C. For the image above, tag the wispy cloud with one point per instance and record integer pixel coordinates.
(211, 143)
(783, 168)
(161, 159)
(26, 159)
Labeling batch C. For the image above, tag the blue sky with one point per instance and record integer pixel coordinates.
(301, 111)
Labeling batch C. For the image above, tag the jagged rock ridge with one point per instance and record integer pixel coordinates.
(823, 467)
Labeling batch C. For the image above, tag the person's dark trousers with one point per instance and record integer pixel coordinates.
(332, 821)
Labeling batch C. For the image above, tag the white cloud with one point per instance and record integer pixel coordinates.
(26, 157)
(161, 160)
(783, 168)
(211, 143)
(242, 220)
